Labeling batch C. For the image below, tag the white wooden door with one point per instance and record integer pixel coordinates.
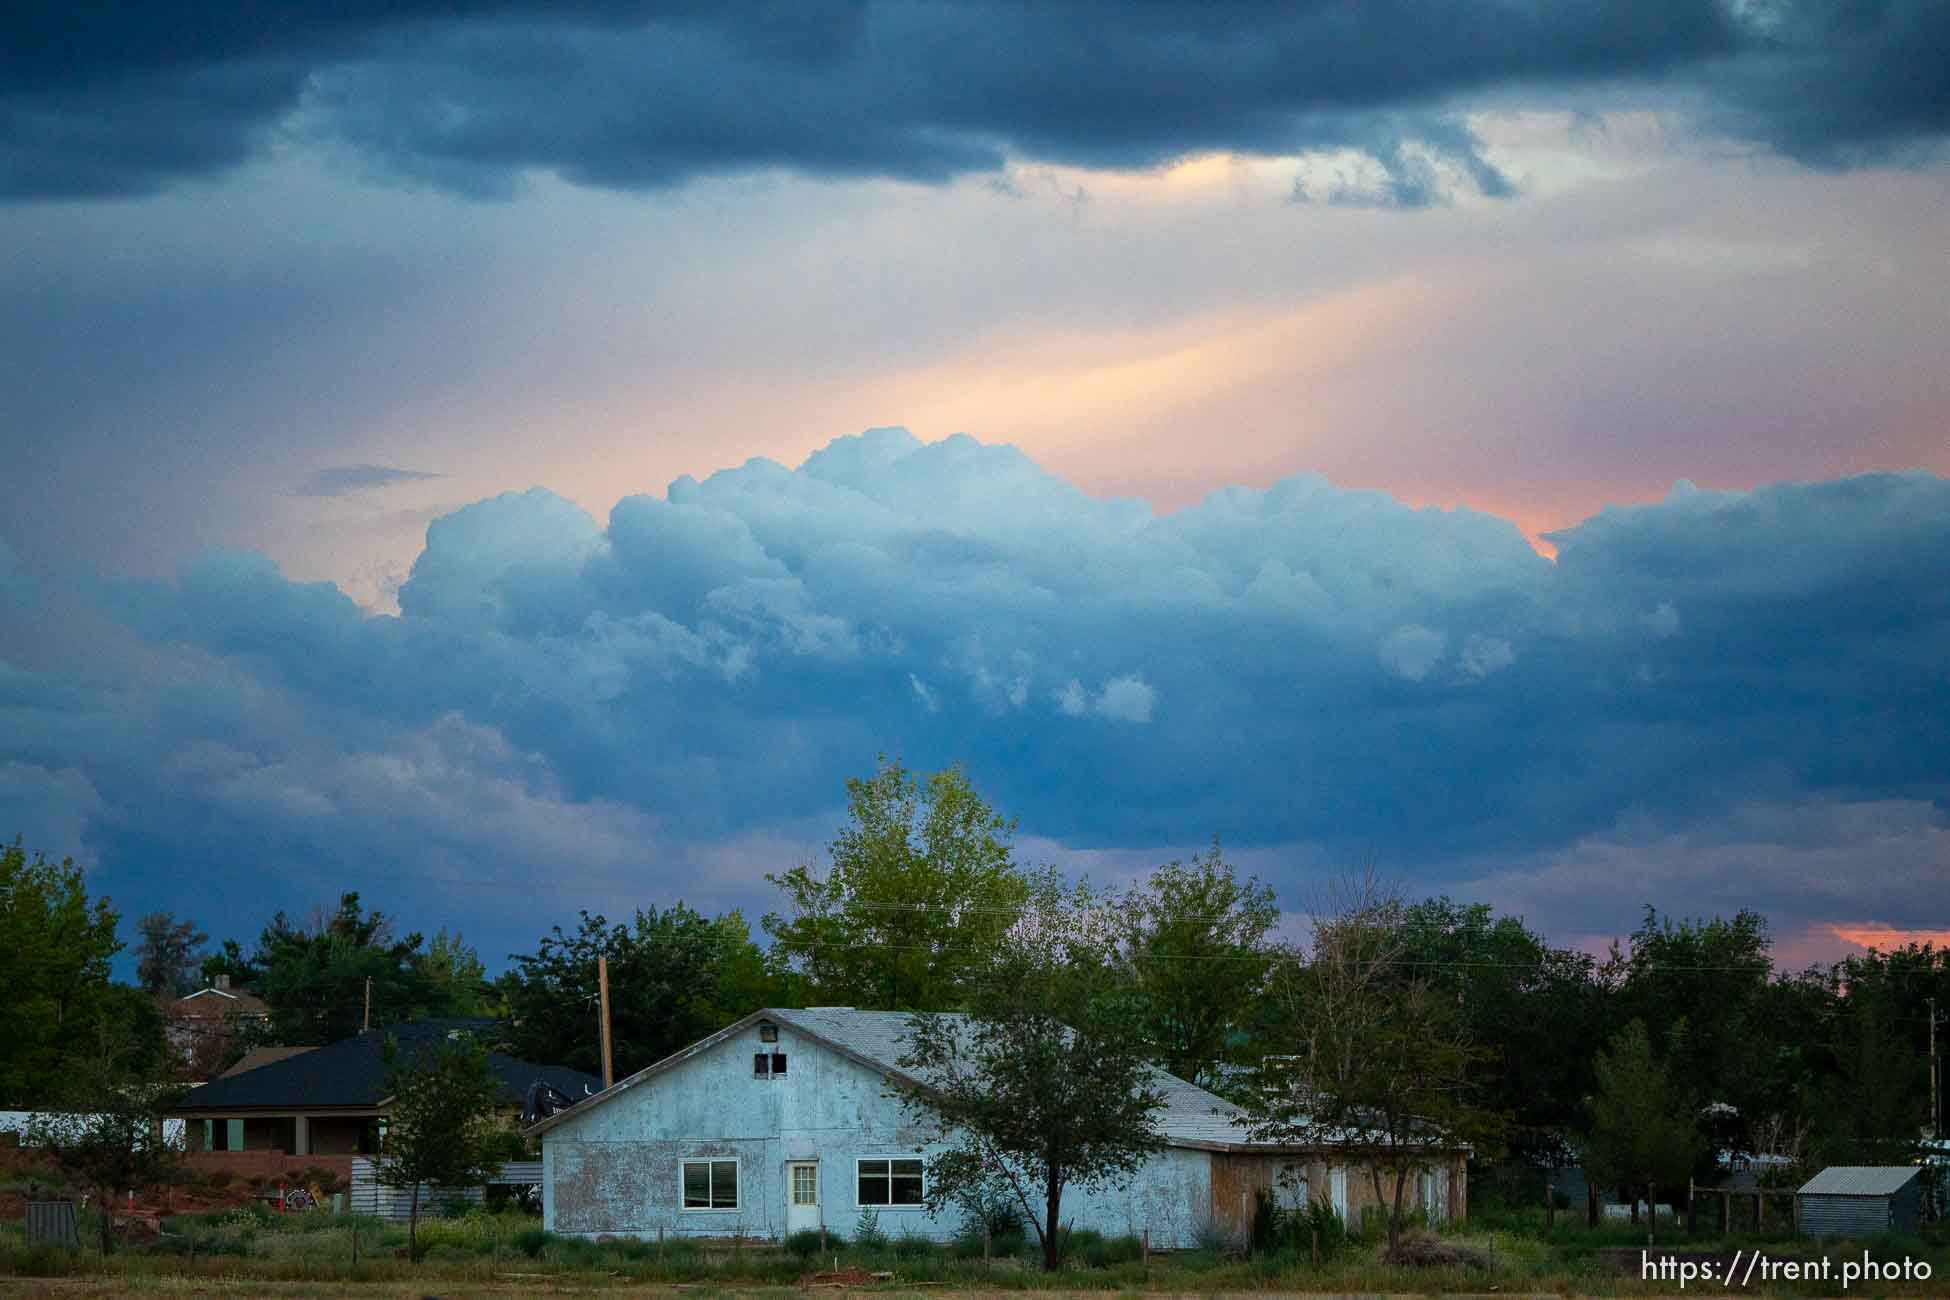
(801, 1196)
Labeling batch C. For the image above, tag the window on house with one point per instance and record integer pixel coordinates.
(767, 1064)
(710, 1184)
(893, 1181)
(767, 1032)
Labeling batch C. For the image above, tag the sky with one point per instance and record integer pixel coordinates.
(513, 458)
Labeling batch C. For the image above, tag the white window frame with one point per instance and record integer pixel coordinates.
(710, 1188)
(922, 1204)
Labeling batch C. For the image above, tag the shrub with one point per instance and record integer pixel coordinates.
(912, 1245)
(806, 1244)
(529, 1241)
(1319, 1222)
(867, 1234)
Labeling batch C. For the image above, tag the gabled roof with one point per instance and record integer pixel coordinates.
(215, 1004)
(1860, 1180)
(1191, 1117)
(353, 1072)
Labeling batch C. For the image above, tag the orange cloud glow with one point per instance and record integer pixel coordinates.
(1886, 937)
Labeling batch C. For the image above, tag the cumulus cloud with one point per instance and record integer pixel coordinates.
(620, 94)
(1310, 666)
(1412, 651)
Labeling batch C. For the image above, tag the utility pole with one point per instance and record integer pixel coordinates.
(1936, 1104)
(602, 988)
(367, 1023)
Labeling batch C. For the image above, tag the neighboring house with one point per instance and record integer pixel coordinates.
(1861, 1200)
(332, 1100)
(201, 1026)
(789, 1120)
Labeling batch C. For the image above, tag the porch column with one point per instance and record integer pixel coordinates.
(301, 1136)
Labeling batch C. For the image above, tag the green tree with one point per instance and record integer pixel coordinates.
(921, 886)
(1045, 1085)
(55, 948)
(314, 974)
(109, 1134)
(1708, 981)
(1376, 1064)
(442, 1130)
(674, 977)
(459, 979)
(1195, 936)
(1534, 1010)
(1645, 1130)
(166, 952)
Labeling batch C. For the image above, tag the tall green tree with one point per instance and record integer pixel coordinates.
(459, 978)
(920, 887)
(1045, 1086)
(55, 948)
(1709, 980)
(315, 973)
(442, 1130)
(1376, 1063)
(674, 976)
(1645, 1128)
(1196, 939)
(1534, 1010)
(168, 953)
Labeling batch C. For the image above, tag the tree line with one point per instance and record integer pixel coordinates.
(1683, 1042)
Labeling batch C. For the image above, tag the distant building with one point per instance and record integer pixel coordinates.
(201, 1027)
(332, 1100)
(1860, 1200)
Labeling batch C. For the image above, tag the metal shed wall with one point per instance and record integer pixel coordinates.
(1859, 1216)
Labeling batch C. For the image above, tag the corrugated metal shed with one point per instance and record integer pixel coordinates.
(1860, 1200)
(369, 1196)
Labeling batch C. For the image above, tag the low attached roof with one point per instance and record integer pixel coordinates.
(258, 1057)
(1191, 1117)
(353, 1072)
(1860, 1180)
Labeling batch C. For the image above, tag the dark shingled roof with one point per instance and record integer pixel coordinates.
(352, 1072)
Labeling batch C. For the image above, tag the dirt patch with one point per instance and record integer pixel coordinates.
(844, 1277)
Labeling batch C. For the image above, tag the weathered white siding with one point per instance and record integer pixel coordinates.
(615, 1169)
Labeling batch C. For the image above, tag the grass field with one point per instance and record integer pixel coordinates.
(254, 1252)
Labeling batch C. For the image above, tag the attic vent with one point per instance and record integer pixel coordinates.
(767, 1032)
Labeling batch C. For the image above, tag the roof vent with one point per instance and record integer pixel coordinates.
(829, 1008)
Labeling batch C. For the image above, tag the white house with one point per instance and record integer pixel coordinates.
(787, 1121)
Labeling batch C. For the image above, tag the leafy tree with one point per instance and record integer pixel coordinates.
(674, 977)
(55, 948)
(1195, 936)
(1376, 1063)
(166, 952)
(1045, 1085)
(921, 886)
(459, 979)
(1708, 981)
(442, 1130)
(109, 1133)
(1644, 1119)
(1872, 1102)
(314, 974)
(1534, 1010)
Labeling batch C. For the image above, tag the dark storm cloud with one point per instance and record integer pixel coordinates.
(1300, 666)
(110, 99)
(344, 479)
